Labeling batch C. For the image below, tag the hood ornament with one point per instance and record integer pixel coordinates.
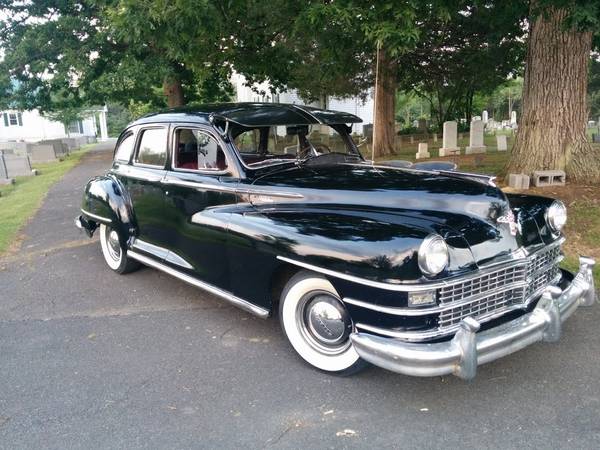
(509, 218)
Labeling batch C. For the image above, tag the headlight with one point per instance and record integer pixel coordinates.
(433, 255)
(556, 216)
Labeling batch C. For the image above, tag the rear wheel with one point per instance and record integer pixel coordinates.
(316, 323)
(114, 254)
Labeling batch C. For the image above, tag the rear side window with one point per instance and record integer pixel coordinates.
(123, 152)
(153, 147)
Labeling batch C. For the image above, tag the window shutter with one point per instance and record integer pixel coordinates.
(20, 119)
(5, 119)
(80, 123)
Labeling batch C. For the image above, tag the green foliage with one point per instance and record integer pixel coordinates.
(594, 89)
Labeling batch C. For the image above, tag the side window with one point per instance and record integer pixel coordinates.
(197, 150)
(123, 152)
(153, 147)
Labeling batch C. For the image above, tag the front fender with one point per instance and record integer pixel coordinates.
(371, 245)
(106, 198)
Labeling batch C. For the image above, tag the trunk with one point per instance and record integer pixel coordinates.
(173, 90)
(552, 130)
(385, 105)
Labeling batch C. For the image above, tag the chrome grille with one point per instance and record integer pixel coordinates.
(484, 306)
(482, 284)
(498, 291)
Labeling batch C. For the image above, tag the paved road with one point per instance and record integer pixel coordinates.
(90, 359)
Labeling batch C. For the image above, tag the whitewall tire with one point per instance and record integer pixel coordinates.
(114, 254)
(317, 325)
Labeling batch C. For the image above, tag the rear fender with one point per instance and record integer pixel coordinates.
(105, 200)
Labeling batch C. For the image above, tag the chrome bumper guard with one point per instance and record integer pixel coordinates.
(467, 349)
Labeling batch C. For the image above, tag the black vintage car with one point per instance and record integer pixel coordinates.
(272, 208)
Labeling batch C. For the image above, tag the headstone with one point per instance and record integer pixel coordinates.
(513, 117)
(476, 144)
(16, 165)
(412, 139)
(422, 125)
(423, 153)
(435, 139)
(71, 143)
(60, 148)
(501, 142)
(449, 146)
(460, 136)
(42, 153)
(518, 181)
(543, 178)
(397, 142)
(596, 138)
(484, 116)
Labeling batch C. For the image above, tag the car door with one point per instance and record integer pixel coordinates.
(142, 178)
(199, 190)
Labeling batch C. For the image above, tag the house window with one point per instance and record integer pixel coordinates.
(13, 119)
(76, 127)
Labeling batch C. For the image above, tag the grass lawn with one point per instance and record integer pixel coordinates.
(583, 202)
(18, 202)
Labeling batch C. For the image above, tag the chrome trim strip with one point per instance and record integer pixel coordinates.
(240, 303)
(418, 336)
(174, 258)
(229, 189)
(402, 311)
(161, 253)
(95, 216)
(147, 247)
(483, 270)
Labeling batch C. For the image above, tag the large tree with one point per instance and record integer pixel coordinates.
(63, 54)
(552, 132)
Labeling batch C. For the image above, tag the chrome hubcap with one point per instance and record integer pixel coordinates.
(114, 248)
(324, 322)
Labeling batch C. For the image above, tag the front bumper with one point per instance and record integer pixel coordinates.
(461, 355)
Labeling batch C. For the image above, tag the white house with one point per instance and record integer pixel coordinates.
(354, 105)
(31, 126)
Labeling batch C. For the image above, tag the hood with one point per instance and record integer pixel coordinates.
(450, 205)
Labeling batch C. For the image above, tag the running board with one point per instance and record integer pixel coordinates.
(236, 301)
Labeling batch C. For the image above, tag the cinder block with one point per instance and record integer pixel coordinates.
(542, 178)
(518, 181)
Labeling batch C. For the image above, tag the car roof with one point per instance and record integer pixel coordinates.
(252, 115)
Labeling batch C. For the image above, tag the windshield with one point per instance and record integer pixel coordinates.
(286, 143)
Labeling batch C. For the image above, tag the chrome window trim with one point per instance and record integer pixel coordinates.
(207, 131)
(421, 286)
(239, 302)
(138, 142)
(96, 216)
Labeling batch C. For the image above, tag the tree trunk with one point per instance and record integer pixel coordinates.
(173, 90)
(385, 105)
(552, 130)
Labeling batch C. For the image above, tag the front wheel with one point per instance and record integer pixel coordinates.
(316, 323)
(114, 254)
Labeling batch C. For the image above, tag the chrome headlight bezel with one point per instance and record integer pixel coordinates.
(433, 255)
(556, 216)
